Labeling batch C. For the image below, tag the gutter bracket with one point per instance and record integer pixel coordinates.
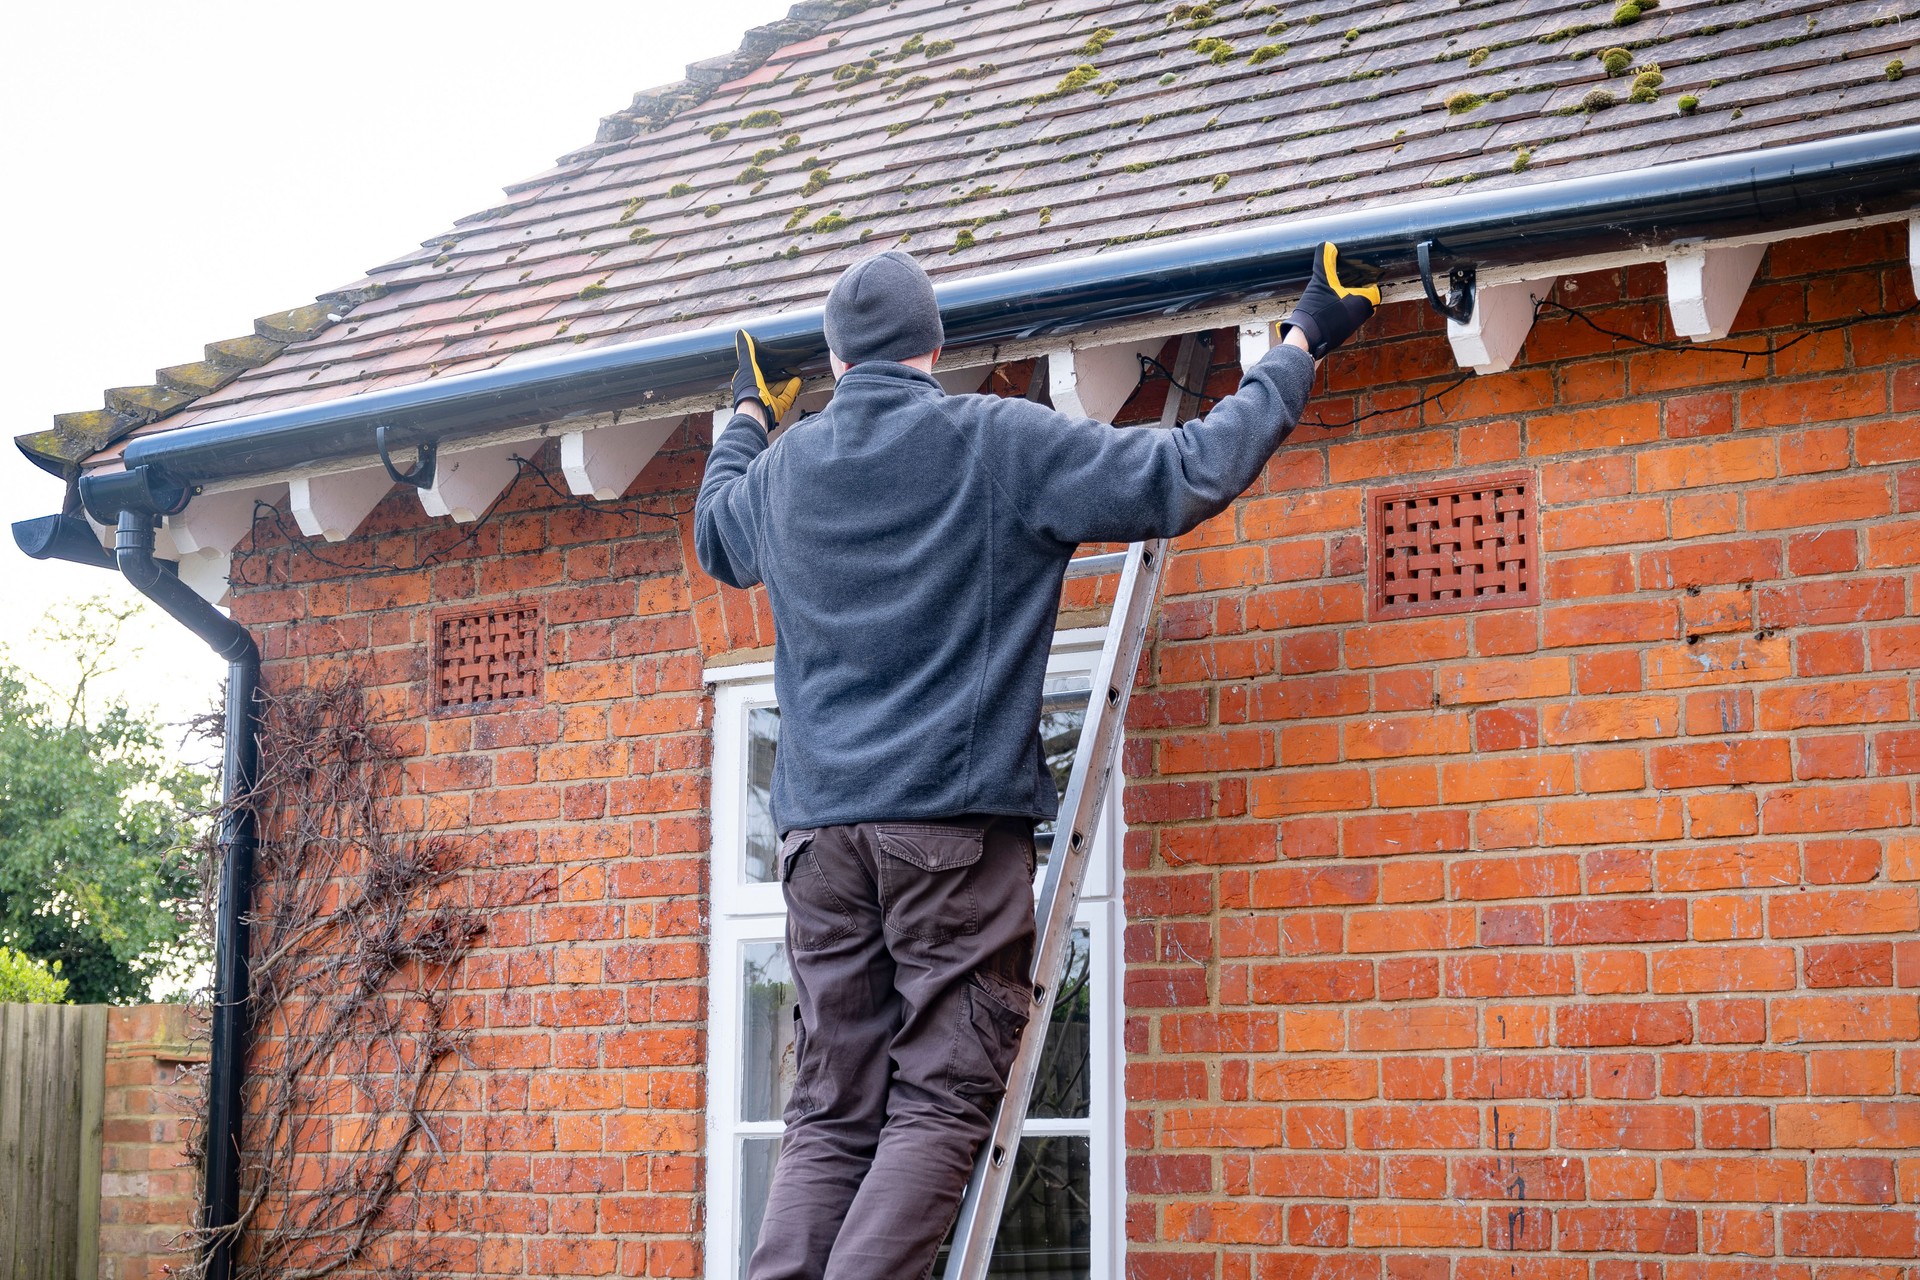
(1458, 305)
(421, 477)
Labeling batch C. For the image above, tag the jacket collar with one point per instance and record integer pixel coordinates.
(882, 373)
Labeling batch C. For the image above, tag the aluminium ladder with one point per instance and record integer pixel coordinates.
(1094, 761)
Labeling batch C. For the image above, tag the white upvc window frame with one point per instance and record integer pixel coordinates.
(746, 912)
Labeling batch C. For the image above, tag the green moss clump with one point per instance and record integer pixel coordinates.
(1616, 60)
(680, 189)
(980, 72)
(764, 119)
(718, 132)
(765, 154)
(829, 222)
(1522, 159)
(1353, 33)
(789, 142)
(1628, 13)
(1464, 101)
(592, 291)
(711, 211)
(1096, 42)
(1078, 78)
(1688, 104)
(1896, 69)
(855, 72)
(640, 235)
(1046, 215)
(632, 207)
(937, 47)
(752, 173)
(913, 45)
(1478, 56)
(1596, 100)
(1220, 180)
(1266, 53)
(1138, 166)
(815, 181)
(962, 241)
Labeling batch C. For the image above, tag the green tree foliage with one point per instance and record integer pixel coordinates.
(24, 980)
(95, 823)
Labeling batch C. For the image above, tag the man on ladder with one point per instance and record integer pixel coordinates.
(913, 545)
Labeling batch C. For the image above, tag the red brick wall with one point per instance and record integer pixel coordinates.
(1562, 941)
(1423, 913)
(148, 1191)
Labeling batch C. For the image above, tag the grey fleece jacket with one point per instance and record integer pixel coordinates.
(914, 544)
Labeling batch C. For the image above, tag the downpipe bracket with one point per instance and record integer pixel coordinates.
(1457, 306)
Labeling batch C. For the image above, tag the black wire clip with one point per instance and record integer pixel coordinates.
(1458, 305)
(421, 477)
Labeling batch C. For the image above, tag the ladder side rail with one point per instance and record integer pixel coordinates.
(1094, 761)
(1140, 566)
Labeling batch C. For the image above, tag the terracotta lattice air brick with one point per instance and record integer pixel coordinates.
(1453, 547)
(485, 657)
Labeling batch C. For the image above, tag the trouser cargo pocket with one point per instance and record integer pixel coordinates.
(928, 874)
(992, 1013)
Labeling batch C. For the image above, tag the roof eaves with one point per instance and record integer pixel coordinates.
(76, 436)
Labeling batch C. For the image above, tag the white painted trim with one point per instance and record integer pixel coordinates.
(1096, 381)
(601, 462)
(216, 522)
(1257, 337)
(1705, 286)
(745, 913)
(207, 572)
(466, 483)
(1491, 338)
(332, 506)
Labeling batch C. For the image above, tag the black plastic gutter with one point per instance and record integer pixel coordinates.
(65, 537)
(1721, 196)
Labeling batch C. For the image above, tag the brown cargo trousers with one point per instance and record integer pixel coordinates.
(911, 946)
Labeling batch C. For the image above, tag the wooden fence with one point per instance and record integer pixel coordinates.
(52, 1078)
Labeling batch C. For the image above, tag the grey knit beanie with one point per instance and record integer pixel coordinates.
(882, 308)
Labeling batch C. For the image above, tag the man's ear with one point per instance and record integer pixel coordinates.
(838, 365)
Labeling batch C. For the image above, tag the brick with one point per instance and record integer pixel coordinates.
(1857, 395)
(1854, 1180)
(1408, 1226)
(1594, 1025)
(1349, 1079)
(1627, 1230)
(1418, 1128)
(1315, 1176)
(1484, 879)
(1506, 1075)
(1387, 835)
(1823, 914)
(1423, 735)
(1507, 778)
(1858, 1233)
(1615, 622)
(1849, 498)
(1708, 564)
(1734, 1178)
(1748, 865)
(1722, 968)
(1728, 762)
(1611, 820)
(1625, 920)
(1733, 1075)
(1812, 1126)
(1509, 975)
(1836, 808)
(1506, 1177)
(1603, 524)
(1422, 1027)
(1717, 660)
(1499, 680)
(1845, 1017)
(1609, 719)
(1308, 791)
(1818, 604)
(1692, 466)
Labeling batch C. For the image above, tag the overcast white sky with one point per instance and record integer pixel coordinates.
(173, 168)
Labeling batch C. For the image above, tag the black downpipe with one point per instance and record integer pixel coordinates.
(133, 553)
(1799, 185)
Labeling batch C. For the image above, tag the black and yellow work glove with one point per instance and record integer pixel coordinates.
(1329, 311)
(751, 384)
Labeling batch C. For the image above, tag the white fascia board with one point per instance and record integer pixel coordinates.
(1490, 340)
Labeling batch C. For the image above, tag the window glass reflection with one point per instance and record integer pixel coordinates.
(1062, 1085)
(763, 841)
(1046, 1226)
(767, 1039)
(757, 1158)
(1063, 711)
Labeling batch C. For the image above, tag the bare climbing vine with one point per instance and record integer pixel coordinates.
(361, 918)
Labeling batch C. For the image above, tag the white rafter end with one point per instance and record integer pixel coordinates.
(333, 506)
(1095, 382)
(1490, 340)
(207, 573)
(1257, 337)
(963, 382)
(601, 463)
(1705, 287)
(216, 522)
(1913, 249)
(465, 484)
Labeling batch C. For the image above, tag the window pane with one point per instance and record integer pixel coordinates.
(1060, 1088)
(757, 1158)
(767, 1004)
(1063, 710)
(763, 842)
(1046, 1227)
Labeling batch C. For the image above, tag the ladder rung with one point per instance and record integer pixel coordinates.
(1097, 566)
